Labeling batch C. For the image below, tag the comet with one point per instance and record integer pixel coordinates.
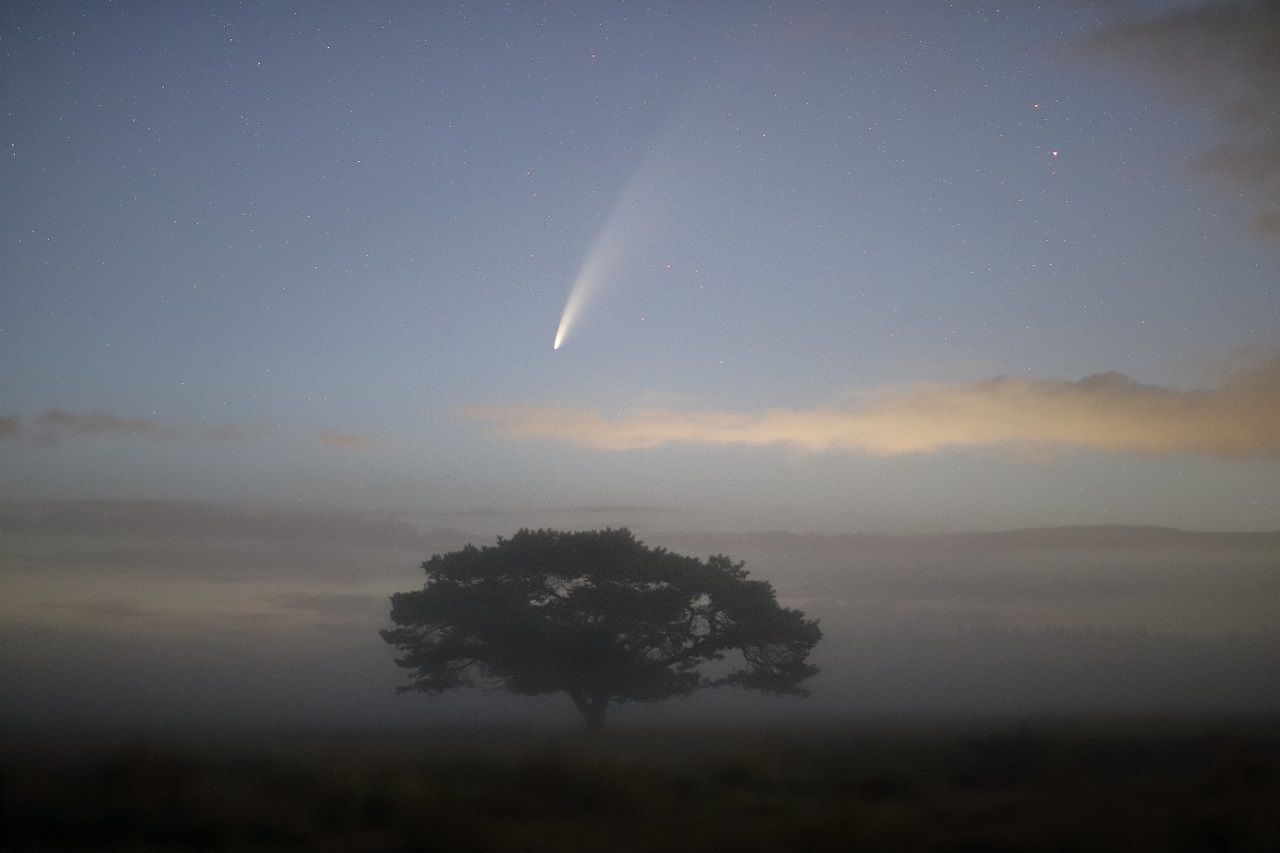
(598, 264)
(631, 222)
(641, 218)
(639, 222)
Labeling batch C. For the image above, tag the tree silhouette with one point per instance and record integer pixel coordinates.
(596, 615)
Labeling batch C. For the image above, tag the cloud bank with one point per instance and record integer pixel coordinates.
(98, 423)
(54, 425)
(1107, 411)
(1225, 56)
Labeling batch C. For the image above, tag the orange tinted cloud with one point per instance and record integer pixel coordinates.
(344, 440)
(1107, 411)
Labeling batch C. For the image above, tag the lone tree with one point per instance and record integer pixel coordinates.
(596, 615)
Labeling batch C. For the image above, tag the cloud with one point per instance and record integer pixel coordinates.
(63, 422)
(1226, 56)
(54, 425)
(344, 440)
(1107, 411)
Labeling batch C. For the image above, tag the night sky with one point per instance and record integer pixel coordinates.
(908, 267)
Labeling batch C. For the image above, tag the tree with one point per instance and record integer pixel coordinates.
(596, 615)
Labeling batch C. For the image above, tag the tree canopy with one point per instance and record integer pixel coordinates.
(596, 615)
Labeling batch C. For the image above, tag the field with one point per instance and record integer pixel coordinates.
(1046, 785)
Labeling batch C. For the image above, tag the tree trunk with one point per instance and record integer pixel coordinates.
(592, 708)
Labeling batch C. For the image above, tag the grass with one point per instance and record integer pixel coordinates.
(1083, 785)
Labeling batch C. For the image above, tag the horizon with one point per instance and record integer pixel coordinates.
(584, 513)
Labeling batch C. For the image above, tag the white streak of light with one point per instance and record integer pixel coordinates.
(598, 264)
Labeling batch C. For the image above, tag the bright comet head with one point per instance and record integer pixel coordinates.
(562, 328)
(577, 298)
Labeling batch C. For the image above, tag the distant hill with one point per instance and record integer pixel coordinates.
(198, 520)
(1080, 537)
(194, 519)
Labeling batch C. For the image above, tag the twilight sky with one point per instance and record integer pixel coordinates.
(905, 267)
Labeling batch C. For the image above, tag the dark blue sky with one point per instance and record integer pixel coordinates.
(318, 253)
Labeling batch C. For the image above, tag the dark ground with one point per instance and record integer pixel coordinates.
(1087, 785)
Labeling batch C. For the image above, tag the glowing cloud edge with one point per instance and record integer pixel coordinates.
(1107, 411)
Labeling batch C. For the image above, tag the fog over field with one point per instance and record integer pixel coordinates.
(165, 615)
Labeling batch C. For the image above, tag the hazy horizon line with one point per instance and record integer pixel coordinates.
(133, 516)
